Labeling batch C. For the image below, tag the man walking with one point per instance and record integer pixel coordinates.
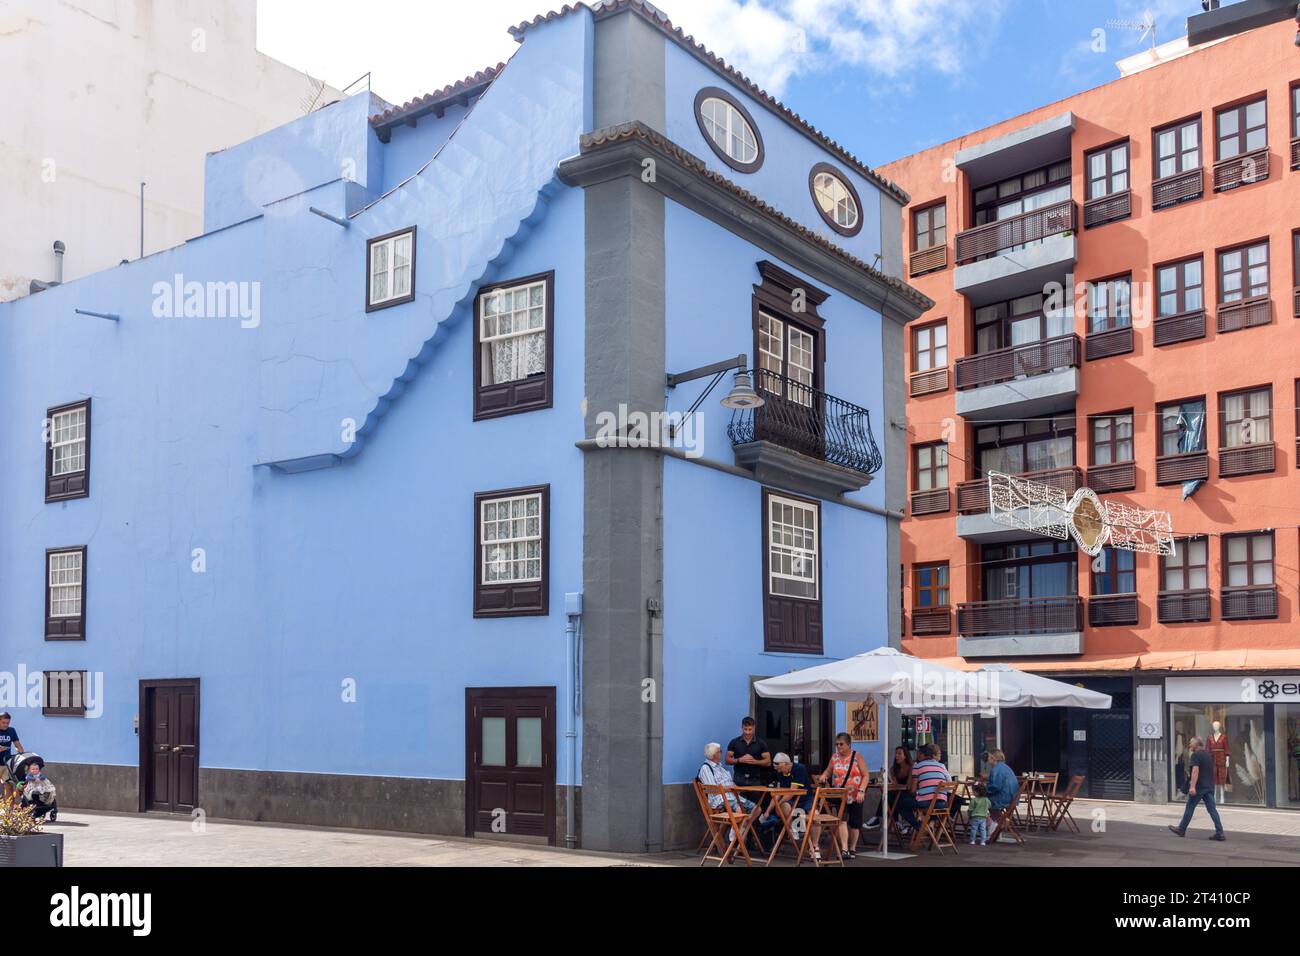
(1200, 786)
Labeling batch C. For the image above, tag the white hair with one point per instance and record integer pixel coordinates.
(712, 750)
(781, 758)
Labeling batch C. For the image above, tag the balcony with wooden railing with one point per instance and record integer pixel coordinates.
(1246, 314)
(1183, 327)
(933, 502)
(928, 621)
(927, 260)
(1185, 466)
(1112, 610)
(1046, 615)
(1248, 603)
(1247, 460)
(1178, 188)
(1104, 209)
(1183, 607)
(996, 237)
(973, 496)
(1241, 170)
(1018, 361)
(1100, 345)
(928, 382)
(1120, 476)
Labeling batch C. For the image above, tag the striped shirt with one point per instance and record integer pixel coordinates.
(928, 774)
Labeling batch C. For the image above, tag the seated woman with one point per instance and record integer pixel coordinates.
(899, 775)
(1002, 791)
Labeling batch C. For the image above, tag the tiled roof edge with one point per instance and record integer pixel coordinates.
(659, 19)
(429, 101)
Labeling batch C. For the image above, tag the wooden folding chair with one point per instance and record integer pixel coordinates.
(1007, 825)
(703, 802)
(730, 828)
(1045, 793)
(1060, 806)
(936, 825)
(827, 813)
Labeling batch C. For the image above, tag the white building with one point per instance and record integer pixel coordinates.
(100, 95)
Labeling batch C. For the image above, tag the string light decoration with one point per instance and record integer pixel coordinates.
(1045, 509)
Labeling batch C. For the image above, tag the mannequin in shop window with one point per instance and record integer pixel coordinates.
(1217, 745)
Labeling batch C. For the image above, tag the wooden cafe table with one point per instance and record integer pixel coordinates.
(756, 794)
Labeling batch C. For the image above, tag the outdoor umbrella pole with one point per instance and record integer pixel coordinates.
(885, 774)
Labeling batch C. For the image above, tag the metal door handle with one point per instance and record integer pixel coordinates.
(177, 749)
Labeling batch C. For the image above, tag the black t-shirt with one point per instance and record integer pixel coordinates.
(746, 774)
(1205, 779)
(7, 738)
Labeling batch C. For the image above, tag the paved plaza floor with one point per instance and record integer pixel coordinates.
(1113, 834)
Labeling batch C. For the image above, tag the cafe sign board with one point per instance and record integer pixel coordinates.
(864, 721)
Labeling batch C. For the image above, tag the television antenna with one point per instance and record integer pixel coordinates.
(1147, 25)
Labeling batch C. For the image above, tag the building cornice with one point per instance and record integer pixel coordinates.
(623, 151)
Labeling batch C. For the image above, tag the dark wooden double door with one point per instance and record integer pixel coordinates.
(169, 745)
(510, 761)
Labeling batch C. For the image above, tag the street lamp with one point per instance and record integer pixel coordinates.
(741, 396)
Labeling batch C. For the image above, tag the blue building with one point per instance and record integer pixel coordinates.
(377, 503)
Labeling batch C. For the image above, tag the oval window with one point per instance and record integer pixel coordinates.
(836, 199)
(729, 129)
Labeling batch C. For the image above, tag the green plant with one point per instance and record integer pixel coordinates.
(17, 820)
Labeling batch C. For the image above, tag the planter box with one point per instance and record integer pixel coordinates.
(35, 849)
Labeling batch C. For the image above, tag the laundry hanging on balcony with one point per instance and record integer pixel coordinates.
(1191, 437)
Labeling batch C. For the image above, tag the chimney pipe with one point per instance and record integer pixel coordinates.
(59, 248)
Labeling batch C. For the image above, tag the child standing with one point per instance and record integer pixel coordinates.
(979, 816)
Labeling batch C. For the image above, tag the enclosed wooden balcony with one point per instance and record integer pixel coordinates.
(1247, 460)
(1032, 358)
(927, 260)
(1112, 610)
(1248, 603)
(1186, 466)
(1241, 170)
(1178, 188)
(973, 496)
(929, 621)
(1183, 607)
(1246, 314)
(1104, 209)
(928, 383)
(1184, 327)
(994, 237)
(1048, 615)
(1121, 476)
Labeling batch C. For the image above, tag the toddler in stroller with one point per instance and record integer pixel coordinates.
(34, 788)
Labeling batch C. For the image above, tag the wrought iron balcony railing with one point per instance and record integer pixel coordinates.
(809, 421)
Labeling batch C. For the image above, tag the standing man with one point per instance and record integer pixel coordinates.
(749, 755)
(1200, 787)
(9, 742)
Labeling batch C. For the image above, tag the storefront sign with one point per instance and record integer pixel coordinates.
(923, 725)
(1237, 689)
(1150, 712)
(864, 721)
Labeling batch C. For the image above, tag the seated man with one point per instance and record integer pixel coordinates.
(714, 773)
(789, 776)
(927, 775)
(1002, 790)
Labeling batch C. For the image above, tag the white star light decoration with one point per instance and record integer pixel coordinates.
(1044, 509)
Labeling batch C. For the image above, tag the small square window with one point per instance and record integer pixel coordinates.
(64, 693)
(390, 269)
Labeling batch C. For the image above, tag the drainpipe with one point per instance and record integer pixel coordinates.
(573, 649)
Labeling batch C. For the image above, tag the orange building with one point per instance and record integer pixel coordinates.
(1165, 206)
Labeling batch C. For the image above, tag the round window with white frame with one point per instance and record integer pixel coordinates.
(836, 200)
(729, 129)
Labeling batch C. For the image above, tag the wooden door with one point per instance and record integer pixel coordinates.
(169, 744)
(510, 761)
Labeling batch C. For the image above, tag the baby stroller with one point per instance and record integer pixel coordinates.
(39, 795)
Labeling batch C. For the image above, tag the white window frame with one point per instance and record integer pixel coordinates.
(517, 544)
(828, 186)
(486, 341)
(78, 442)
(390, 243)
(61, 580)
(735, 120)
(775, 550)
